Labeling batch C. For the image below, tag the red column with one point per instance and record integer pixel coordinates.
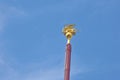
(67, 62)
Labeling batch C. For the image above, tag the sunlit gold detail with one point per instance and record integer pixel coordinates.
(69, 31)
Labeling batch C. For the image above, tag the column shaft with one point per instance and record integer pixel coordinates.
(67, 62)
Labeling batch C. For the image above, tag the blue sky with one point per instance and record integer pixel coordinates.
(32, 46)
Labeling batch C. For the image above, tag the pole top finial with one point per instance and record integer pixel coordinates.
(69, 31)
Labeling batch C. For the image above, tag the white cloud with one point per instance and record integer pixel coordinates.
(6, 12)
(39, 72)
(1, 61)
(54, 73)
(46, 74)
(2, 21)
